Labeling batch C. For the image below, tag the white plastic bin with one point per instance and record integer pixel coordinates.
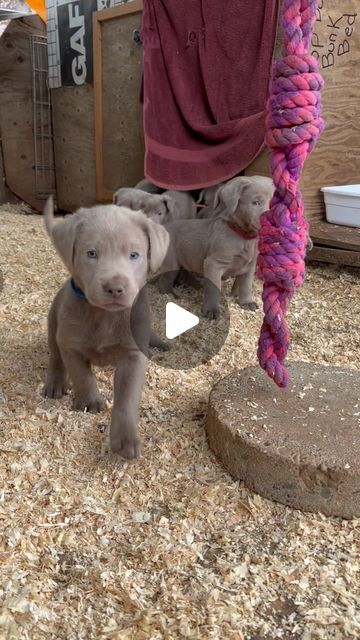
(343, 204)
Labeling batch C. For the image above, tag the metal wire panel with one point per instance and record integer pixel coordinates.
(42, 120)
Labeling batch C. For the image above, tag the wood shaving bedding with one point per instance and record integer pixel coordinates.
(169, 546)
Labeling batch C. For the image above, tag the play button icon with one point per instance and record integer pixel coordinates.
(178, 320)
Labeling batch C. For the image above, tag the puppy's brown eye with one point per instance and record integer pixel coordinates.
(92, 254)
(134, 255)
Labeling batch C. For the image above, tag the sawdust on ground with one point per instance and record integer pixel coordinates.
(169, 546)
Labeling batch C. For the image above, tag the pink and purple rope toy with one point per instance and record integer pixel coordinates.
(294, 124)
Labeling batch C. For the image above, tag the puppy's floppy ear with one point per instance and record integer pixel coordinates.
(210, 195)
(63, 233)
(224, 199)
(130, 198)
(159, 241)
(228, 196)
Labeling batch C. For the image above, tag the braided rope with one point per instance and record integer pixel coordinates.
(294, 124)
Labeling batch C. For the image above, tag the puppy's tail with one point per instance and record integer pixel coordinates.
(49, 216)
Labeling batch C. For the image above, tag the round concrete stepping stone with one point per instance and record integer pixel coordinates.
(299, 446)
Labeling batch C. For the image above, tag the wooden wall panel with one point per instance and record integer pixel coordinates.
(122, 114)
(336, 158)
(74, 121)
(74, 146)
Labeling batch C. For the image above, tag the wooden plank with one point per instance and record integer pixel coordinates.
(334, 256)
(118, 121)
(336, 158)
(5, 193)
(335, 235)
(16, 121)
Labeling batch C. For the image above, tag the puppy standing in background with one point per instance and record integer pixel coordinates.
(108, 251)
(222, 245)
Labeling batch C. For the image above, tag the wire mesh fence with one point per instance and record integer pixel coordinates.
(42, 119)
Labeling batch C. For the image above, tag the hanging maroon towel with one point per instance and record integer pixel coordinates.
(206, 71)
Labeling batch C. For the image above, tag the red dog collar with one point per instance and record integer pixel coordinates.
(234, 227)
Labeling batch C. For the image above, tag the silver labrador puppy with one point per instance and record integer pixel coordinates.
(108, 251)
(221, 246)
(161, 208)
(146, 185)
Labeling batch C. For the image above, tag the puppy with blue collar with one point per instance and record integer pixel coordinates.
(108, 251)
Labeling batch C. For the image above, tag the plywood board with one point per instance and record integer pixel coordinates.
(74, 146)
(336, 158)
(118, 117)
(16, 119)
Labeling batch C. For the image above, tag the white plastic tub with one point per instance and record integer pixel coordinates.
(343, 204)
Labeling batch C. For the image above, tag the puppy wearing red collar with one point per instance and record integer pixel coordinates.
(222, 245)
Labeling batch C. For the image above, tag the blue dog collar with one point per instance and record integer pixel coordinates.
(76, 291)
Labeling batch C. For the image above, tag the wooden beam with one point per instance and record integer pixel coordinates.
(335, 235)
(334, 256)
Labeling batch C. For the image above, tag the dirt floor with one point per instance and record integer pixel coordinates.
(168, 546)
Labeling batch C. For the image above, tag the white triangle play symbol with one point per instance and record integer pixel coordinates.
(178, 320)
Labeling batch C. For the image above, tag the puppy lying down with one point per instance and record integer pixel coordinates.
(161, 208)
(221, 246)
(108, 251)
(146, 185)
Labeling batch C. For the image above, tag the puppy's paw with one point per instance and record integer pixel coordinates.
(90, 405)
(157, 343)
(190, 280)
(169, 291)
(55, 387)
(162, 346)
(166, 285)
(125, 446)
(211, 313)
(249, 306)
